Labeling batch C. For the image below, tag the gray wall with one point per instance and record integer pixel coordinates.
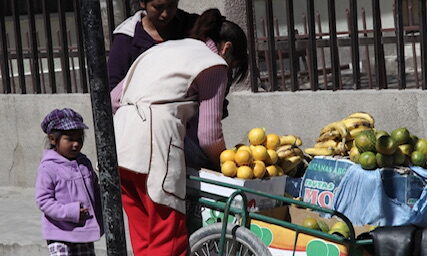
(300, 113)
(22, 138)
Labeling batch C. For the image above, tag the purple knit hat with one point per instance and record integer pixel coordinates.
(62, 119)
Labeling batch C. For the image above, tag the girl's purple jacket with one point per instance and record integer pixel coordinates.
(62, 187)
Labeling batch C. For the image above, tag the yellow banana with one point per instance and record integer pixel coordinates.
(319, 151)
(326, 144)
(289, 163)
(354, 132)
(355, 122)
(288, 150)
(290, 140)
(329, 135)
(340, 149)
(338, 126)
(349, 144)
(364, 115)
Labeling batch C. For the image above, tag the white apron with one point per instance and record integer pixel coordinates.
(150, 125)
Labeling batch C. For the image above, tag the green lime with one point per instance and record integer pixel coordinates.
(418, 158)
(406, 149)
(323, 226)
(310, 222)
(399, 157)
(379, 133)
(413, 140)
(401, 135)
(368, 160)
(385, 145)
(340, 228)
(365, 141)
(421, 146)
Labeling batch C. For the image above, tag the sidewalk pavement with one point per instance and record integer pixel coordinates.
(20, 228)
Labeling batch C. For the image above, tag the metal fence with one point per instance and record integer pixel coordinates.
(298, 61)
(41, 45)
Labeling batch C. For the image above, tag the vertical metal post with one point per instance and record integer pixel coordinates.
(423, 31)
(127, 8)
(104, 130)
(49, 46)
(400, 44)
(380, 72)
(4, 64)
(251, 45)
(367, 55)
(354, 31)
(18, 43)
(65, 58)
(80, 47)
(272, 75)
(414, 49)
(322, 52)
(110, 18)
(333, 45)
(312, 48)
(34, 50)
(293, 60)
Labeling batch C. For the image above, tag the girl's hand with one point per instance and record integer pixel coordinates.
(83, 213)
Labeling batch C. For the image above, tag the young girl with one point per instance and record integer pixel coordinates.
(67, 190)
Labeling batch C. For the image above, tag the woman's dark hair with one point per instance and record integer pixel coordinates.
(211, 24)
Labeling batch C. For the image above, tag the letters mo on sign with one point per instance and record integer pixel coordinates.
(321, 178)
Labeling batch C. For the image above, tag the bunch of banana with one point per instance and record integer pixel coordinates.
(357, 122)
(290, 156)
(337, 137)
(332, 140)
(290, 140)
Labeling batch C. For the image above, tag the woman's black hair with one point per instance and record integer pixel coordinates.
(211, 24)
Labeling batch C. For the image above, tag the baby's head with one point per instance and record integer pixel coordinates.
(65, 131)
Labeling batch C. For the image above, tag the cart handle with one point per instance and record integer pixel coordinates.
(226, 213)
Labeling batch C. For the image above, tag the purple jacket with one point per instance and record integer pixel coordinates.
(62, 186)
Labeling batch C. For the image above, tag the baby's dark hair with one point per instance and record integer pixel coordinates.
(211, 24)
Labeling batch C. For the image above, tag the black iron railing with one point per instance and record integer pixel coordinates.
(41, 45)
(276, 64)
(47, 56)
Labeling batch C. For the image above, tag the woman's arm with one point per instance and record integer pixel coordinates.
(119, 59)
(211, 85)
(115, 96)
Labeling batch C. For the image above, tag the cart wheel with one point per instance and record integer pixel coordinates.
(238, 241)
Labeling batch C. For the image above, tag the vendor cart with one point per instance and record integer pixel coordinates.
(236, 238)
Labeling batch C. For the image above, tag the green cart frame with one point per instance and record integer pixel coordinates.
(230, 239)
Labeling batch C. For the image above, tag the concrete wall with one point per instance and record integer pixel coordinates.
(22, 140)
(300, 113)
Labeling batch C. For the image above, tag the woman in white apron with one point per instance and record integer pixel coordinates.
(164, 88)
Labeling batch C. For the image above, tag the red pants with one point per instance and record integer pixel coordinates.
(155, 229)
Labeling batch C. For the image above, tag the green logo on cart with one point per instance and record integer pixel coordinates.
(321, 248)
(264, 234)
